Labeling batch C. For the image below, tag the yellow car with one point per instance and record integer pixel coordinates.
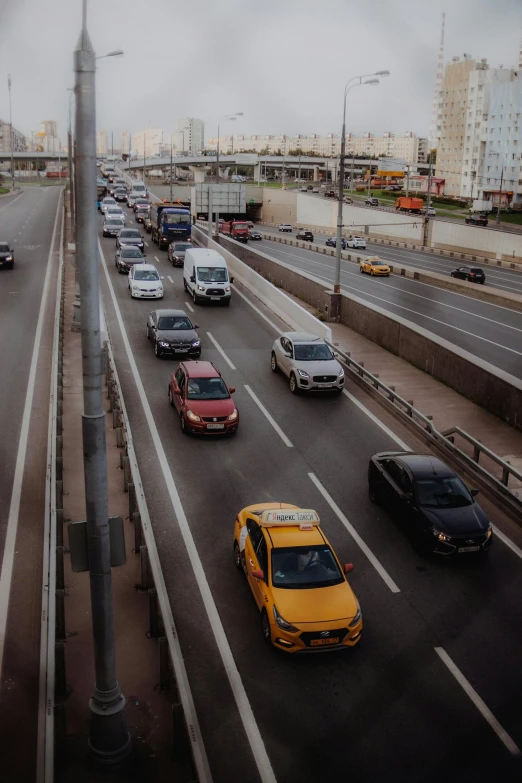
(298, 583)
(374, 266)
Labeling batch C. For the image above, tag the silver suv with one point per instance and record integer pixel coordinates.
(308, 363)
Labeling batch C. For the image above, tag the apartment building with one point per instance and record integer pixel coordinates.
(102, 142)
(500, 175)
(190, 136)
(11, 139)
(148, 142)
(410, 147)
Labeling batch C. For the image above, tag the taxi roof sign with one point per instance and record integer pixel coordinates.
(305, 518)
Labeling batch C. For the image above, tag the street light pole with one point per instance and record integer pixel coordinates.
(356, 81)
(497, 219)
(224, 117)
(170, 168)
(11, 133)
(109, 739)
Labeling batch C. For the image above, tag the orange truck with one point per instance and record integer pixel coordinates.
(407, 204)
(237, 229)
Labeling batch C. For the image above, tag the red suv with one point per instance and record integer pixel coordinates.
(202, 399)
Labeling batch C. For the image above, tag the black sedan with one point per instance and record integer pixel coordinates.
(255, 236)
(472, 273)
(332, 242)
(477, 220)
(172, 332)
(130, 236)
(306, 235)
(6, 256)
(436, 510)
(128, 256)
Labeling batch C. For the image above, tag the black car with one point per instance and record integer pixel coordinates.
(332, 242)
(472, 273)
(372, 202)
(255, 235)
(128, 256)
(6, 256)
(477, 220)
(130, 236)
(306, 235)
(436, 510)
(172, 332)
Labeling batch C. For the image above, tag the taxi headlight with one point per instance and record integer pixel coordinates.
(357, 617)
(193, 416)
(233, 415)
(282, 623)
(302, 373)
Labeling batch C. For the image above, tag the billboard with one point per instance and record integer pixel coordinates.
(226, 199)
(391, 164)
(246, 159)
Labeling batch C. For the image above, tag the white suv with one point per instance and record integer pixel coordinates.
(308, 363)
(285, 227)
(356, 242)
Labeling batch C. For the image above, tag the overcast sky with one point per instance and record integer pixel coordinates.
(283, 63)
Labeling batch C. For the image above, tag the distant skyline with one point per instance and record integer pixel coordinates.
(284, 65)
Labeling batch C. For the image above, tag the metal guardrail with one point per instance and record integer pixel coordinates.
(445, 440)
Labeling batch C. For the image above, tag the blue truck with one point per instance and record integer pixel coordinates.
(169, 222)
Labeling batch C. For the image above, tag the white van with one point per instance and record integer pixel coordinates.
(138, 189)
(205, 276)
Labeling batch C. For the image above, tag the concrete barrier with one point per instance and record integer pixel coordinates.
(243, 263)
(486, 385)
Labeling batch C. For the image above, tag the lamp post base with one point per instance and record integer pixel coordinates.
(109, 738)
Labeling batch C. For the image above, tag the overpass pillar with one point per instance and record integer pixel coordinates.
(199, 174)
(257, 172)
(316, 173)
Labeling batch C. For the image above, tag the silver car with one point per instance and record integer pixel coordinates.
(308, 363)
(107, 202)
(112, 227)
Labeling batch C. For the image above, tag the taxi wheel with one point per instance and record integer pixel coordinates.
(292, 382)
(265, 625)
(371, 271)
(273, 363)
(361, 269)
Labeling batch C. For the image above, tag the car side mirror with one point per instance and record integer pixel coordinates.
(196, 326)
(258, 573)
(231, 280)
(232, 389)
(177, 390)
(474, 492)
(348, 567)
(192, 279)
(336, 355)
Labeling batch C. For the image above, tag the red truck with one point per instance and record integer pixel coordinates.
(237, 229)
(407, 204)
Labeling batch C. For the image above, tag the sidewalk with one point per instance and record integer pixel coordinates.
(148, 710)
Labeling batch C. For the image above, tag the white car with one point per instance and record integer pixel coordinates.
(115, 213)
(356, 242)
(145, 282)
(308, 363)
(285, 227)
(107, 202)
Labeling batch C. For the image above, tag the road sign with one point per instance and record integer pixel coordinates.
(247, 159)
(391, 164)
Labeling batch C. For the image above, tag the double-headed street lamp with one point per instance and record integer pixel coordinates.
(355, 82)
(109, 739)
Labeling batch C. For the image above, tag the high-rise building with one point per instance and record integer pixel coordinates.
(148, 142)
(463, 123)
(125, 142)
(102, 142)
(499, 176)
(49, 128)
(11, 139)
(193, 131)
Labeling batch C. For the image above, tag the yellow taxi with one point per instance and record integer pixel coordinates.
(374, 265)
(298, 584)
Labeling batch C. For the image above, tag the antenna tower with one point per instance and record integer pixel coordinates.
(438, 88)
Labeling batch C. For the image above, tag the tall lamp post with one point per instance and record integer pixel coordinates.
(109, 739)
(355, 82)
(224, 118)
(11, 133)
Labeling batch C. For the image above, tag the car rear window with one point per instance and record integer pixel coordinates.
(476, 270)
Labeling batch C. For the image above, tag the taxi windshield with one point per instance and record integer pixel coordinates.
(302, 567)
(378, 262)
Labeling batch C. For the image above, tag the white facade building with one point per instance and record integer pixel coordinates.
(102, 143)
(148, 142)
(500, 172)
(192, 139)
(11, 137)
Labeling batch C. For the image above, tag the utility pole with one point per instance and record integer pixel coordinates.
(130, 147)
(11, 134)
(369, 179)
(171, 168)
(428, 205)
(407, 179)
(109, 739)
(144, 180)
(351, 175)
(299, 172)
(497, 219)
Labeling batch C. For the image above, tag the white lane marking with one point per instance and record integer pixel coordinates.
(146, 244)
(377, 421)
(14, 508)
(157, 259)
(170, 278)
(11, 202)
(355, 535)
(221, 351)
(187, 304)
(257, 310)
(272, 421)
(507, 541)
(238, 689)
(478, 702)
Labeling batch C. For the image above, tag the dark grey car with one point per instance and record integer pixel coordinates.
(130, 236)
(176, 252)
(172, 332)
(128, 256)
(6, 256)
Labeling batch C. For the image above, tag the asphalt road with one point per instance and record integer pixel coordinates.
(390, 709)
(491, 332)
(26, 321)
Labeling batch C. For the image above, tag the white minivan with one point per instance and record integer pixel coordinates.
(205, 276)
